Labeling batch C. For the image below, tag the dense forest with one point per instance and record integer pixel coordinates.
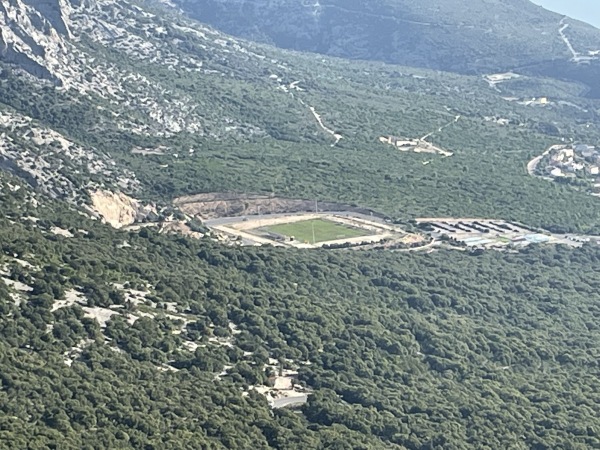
(433, 351)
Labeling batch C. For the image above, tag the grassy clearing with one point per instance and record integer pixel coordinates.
(324, 230)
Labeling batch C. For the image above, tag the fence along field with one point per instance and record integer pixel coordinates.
(296, 230)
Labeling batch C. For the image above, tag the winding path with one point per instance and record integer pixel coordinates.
(327, 130)
(440, 129)
(564, 37)
(294, 86)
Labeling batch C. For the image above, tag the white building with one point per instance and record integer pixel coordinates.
(568, 152)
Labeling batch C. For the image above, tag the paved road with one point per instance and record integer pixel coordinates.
(532, 165)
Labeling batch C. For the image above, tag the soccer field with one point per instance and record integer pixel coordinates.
(324, 230)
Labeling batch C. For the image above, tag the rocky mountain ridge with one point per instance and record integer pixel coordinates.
(63, 41)
(32, 35)
(60, 44)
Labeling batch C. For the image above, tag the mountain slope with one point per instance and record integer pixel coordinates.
(136, 337)
(465, 36)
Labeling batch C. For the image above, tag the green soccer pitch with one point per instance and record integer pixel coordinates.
(324, 230)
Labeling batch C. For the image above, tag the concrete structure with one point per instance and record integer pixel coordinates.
(477, 241)
(537, 238)
(252, 231)
(489, 234)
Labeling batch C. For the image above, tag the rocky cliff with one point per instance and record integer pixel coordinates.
(32, 35)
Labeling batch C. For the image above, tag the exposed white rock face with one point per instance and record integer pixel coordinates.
(57, 40)
(105, 52)
(30, 40)
(56, 12)
(46, 159)
(118, 209)
(41, 37)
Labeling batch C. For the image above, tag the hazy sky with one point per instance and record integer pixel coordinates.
(586, 10)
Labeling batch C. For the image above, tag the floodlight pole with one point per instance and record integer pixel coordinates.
(313, 222)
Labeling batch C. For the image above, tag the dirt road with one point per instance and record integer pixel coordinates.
(565, 39)
(337, 136)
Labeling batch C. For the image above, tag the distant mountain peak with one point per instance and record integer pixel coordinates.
(464, 36)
